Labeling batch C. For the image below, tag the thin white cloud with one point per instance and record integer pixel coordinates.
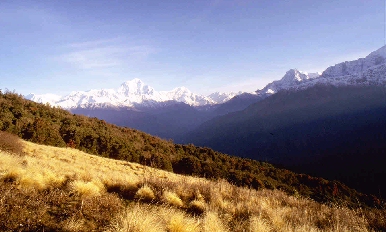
(107, 53)
(94, 58)
(244, 85)
(248, 85)
(94, 43)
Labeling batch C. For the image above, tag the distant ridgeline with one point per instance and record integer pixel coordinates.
(53, 126)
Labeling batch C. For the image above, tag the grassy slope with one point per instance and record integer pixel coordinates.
(51, 189)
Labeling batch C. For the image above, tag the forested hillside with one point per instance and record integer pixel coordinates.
(53, 126)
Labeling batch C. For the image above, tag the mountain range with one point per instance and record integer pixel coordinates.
(133, 93)
(361, 72)
(174, 114)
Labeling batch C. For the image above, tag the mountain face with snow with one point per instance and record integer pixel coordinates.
(44, 98)
(223, 97)
(370, 70)
(292, 79)
(130, 94)
(359, 66)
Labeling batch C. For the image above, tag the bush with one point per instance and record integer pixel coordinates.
(10, 143)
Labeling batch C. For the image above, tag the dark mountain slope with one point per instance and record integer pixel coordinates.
(237, 103)
(168, 122)
(334, 132)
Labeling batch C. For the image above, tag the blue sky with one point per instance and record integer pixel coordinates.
(206, 45)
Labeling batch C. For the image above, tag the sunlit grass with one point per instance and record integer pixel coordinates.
(157, 200)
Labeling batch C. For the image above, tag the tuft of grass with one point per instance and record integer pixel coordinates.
(213, 223)
(145, 193)
(74, 224)
(125, 186)
(137, 219)
(12, 175)
(180, 222)
(40, 180)
(172, 198)
(197, 206)
(93, 188)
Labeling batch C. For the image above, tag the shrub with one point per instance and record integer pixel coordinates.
(126, 188)
(10, 143)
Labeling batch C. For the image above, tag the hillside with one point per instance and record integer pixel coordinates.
(328, 131)
(44, 188)
(47, 125)
(171, 120)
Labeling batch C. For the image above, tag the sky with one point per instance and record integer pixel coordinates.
(55, 46)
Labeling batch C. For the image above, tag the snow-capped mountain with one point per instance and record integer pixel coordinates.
(291, 79)
(129, 94)
(184, 95)
(220, 97)
(370, 70)
(359, 66)
(44, 98)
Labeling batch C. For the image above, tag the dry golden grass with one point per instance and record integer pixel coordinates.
(258, 224)
(74, 224)
(180, 222)
(212, 223)
(93, 188)
(145, 193)
(81, 192)
(137, 219)
(150, 218)
(172, 199)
